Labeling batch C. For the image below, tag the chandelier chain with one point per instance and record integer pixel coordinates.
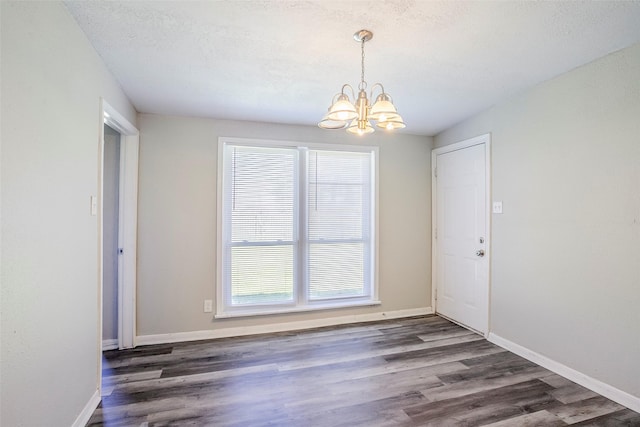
(363, 84)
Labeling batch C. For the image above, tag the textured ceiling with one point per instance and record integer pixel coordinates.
(282, 61)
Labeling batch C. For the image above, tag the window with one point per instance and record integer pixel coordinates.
(296, 229)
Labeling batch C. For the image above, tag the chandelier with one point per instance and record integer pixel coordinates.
(357, 116)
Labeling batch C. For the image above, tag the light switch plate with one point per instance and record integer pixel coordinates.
(497, 207)
(94, 205)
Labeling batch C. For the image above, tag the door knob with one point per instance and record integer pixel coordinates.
(480, 253)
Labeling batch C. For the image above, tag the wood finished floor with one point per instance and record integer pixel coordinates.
(422, 371)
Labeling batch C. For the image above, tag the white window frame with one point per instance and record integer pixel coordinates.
(222, 309)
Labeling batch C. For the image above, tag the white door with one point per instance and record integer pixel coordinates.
(461, 246)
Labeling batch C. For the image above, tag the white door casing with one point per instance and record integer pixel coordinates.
(461, 232)
(127, 227)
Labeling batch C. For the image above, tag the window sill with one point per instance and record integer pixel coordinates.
(272, 311)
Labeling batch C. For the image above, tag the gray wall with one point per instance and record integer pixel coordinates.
(566, 252)
(52, 80)
(110, 209)
(177, 220)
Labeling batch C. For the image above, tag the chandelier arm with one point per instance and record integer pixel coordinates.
(347, 85)
(373, 87)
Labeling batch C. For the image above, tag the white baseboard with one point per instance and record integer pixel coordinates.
(630, 401)
(87, 411)
(111, 344)
(278, 327)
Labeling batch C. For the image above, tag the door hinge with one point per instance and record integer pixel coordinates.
(435, 172)
(435, 232)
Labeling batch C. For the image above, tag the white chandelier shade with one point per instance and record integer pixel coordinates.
(356, 117)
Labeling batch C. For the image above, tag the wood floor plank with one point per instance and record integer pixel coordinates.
(414, 372)
(483, 406)
(445, 333)
(483, 384)
(377, 412)
(572, 393)
(131, 376)
(374, 388)
(623, 418)
(188, 380)
(392, 353)
(536, 419)
(585, 409)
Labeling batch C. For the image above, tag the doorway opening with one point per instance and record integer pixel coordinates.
(110, 236)
(121, 234)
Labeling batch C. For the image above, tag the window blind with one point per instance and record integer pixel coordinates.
(262, 253)
(339, 215)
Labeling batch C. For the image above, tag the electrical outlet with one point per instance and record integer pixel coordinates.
(497, 207)
(208, 305)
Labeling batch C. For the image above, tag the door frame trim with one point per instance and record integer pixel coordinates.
(127, 222)
(478, 140)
